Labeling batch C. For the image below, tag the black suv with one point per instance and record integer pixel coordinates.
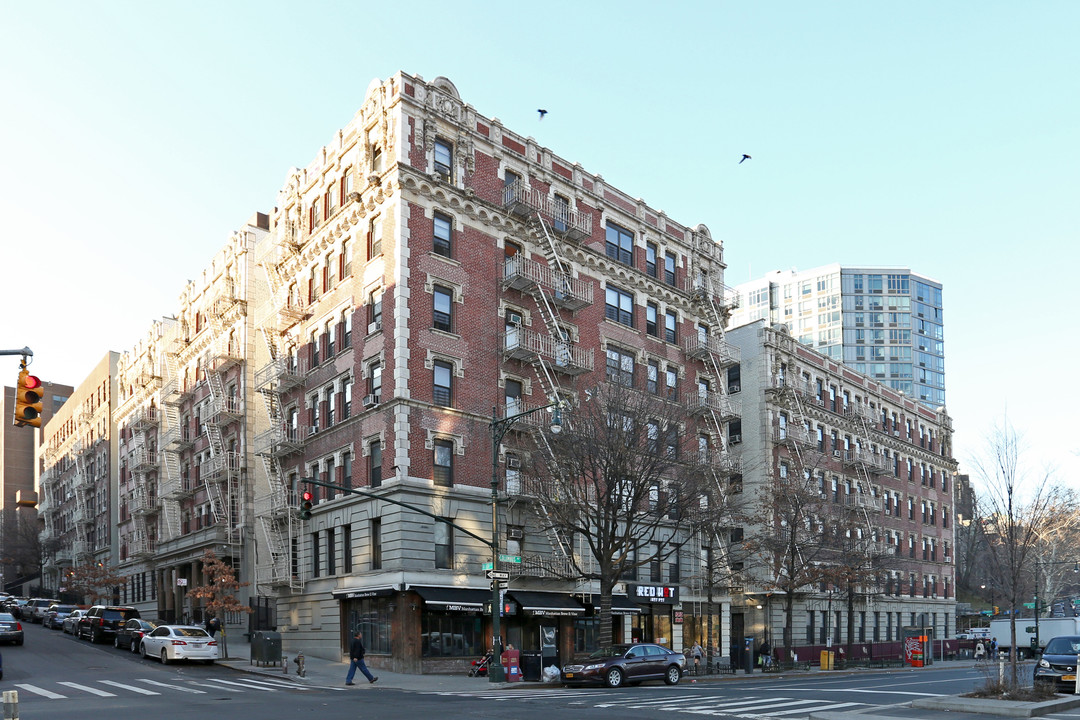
(100, 622)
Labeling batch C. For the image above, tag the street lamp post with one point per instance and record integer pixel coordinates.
(1038, 564)
(499, 428)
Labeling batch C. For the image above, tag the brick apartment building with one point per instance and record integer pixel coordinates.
(428, 265)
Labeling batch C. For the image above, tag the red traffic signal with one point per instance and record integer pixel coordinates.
(306, 498)
(28, 397)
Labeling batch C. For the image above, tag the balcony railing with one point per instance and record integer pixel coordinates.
(721, 405)
(542, 566)
(283, 373)
(870, 461)
(220, 467)
(280, 441)
(703, 346)
(521, 199)
(528, 346)
(528, 276)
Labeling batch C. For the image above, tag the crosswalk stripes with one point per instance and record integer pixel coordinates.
(87, 688)
(132, 688)
(67, 689)
(746, 706)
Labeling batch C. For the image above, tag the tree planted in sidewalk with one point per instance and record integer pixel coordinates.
(219, 593)
(94, 581)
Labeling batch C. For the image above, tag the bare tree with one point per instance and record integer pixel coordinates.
(219, 592)
(1020, 509)
(619, 479)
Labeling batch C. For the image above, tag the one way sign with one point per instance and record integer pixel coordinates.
(498, 575)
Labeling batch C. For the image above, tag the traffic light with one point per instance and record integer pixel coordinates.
(28, 400)
(306, 497)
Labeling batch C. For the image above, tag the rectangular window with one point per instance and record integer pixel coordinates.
(513, 398)
(669, 268)
(443, 465)
(671, 383)
(316, 569)
(619, 306)
(671, 322)
(652, 325)
(375, 462)
(444, 159)
(314, 340)
(620, 367)
(375, 237)
(346, 329)
(375, 383)
(444, 546)
(376, 544)
(442, 391)
(620, 244)
(562, 213)
(375, 311)
(443, 312)
(346, 549)
(442, 239)
(346, 468)
(652, 381)
(331, 551)
(650, 259)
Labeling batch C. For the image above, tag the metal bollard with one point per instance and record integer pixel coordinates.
(300, 671)
(285, 664)
(11, 705)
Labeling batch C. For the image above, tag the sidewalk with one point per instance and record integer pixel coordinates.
(320, 671)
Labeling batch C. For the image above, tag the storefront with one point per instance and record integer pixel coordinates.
(656, 623)
(452, 623)
(587, 629)
(539, 622)
(371, 611)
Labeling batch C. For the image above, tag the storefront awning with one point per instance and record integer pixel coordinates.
(355, 593)
(547, 604)
(453, 599)
(620, 605)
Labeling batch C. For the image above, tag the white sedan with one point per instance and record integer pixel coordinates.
(179, 642)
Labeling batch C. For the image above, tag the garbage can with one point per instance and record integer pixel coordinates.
(531, 666)
(266, 648)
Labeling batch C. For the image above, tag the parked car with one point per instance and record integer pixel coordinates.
(179, 642)
(626, 664)
(71, 622)
(101, 622)
(1057, 666)
(54, 616)
(10, 629)
(130, 634)
(37, 607)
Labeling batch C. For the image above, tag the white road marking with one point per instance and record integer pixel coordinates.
(40, 691)
(181, 688)
(92, 691)
(243, 685)
(132, 688)
(817, 709)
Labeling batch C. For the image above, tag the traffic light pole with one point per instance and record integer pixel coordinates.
(25, 352)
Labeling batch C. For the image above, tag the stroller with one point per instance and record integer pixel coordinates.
(480, 667)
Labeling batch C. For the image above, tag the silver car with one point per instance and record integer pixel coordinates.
(10, 629)
(179, 642)
(71, 622)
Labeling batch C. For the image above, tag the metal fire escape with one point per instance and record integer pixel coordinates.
(145, 466)
(552, 354)
(174, 438)
(275, 513)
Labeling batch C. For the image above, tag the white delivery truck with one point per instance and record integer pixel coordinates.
(1025, 632)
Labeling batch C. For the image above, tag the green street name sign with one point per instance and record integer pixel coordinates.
(509, 559)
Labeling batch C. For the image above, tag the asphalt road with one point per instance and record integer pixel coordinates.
(59, 677)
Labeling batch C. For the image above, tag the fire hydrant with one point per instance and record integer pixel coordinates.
(299, 660)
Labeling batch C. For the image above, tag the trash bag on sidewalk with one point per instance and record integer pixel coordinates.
(551, 674)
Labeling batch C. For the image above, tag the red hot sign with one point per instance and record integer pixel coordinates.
(655, 593)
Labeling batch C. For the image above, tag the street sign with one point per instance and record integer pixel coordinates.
(489, 566)
(498, 575)
(510, 558)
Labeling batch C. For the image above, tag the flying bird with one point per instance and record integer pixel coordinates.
(745, 157)
(542, 113)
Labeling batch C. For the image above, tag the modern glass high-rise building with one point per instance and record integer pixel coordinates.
(884, 322)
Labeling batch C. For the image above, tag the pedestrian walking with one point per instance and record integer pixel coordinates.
(993, 648)
(980, 651)
(356, 660)
(212, 626)
(697, 653)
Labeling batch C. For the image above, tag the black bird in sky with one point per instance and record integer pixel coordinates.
(745, 157)
(542, 113)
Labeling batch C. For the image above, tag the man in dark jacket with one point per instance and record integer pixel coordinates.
(356, 660)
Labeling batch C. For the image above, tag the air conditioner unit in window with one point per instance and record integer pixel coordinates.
(313, 429)
(515, 533)
(736, 439)
(374, 327)
(513, 463)
(371, 400)
(819, 402)
(734, 389)
(836, 453)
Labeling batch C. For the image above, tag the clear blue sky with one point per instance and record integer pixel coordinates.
(135, 136)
